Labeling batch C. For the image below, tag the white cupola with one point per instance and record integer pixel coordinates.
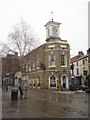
(52, 30)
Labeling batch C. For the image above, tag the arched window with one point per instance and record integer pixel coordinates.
(64, 81)
(38, 82)
(34, 82)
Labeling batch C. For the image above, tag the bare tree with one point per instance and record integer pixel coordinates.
(4, 49)
(22, 39)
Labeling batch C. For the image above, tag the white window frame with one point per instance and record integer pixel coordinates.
(33, 66)
(55, 81)
(64, 61)
(38, 62)
(29, 67)
(54, 61)
(77, 70)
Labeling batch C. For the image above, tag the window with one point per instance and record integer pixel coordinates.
(89, 59)
(77, 63)
(83, 62)
(33, 66)
(38, 62)
(52, 60)
(83, 69)
(63, 60)
(89, 69)
(48, 32)
(64, 81)
(24, 67)
(77, 71)
(29, 67)
(85, 72)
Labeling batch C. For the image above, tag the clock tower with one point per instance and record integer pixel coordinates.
(52, 31)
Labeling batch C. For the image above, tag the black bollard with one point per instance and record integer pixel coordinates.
(25, 93)
(6, 87)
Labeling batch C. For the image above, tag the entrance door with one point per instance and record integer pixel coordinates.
(64, 81)
(80, 81)
(38, 82)
(52, 81)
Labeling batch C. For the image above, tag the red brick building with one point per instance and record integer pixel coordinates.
(10, 65)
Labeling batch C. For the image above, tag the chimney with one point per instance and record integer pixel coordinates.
(16, 55)
(80, 53)
(88, 51)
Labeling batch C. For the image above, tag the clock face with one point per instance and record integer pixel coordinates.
(54, 29)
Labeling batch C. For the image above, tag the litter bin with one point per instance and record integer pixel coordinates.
(14, 94)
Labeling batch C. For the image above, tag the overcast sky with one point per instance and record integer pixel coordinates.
(72, 14)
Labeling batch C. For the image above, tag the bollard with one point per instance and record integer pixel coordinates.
(6, 87)
(25, 93)
(21, 92)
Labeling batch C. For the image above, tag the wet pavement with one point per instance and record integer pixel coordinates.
(44, 103)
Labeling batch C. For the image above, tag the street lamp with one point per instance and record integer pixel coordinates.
(25, 86)
(7, 79)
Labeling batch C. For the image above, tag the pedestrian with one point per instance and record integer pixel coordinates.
(20, 89)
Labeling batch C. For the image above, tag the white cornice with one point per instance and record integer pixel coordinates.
(56, 49)
(60, 41)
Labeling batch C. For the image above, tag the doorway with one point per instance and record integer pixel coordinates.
(52, 82)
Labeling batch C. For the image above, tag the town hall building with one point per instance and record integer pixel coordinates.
(48, 66)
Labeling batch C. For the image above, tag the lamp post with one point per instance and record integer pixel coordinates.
(25, 87)
(72, 76)
(7, 79)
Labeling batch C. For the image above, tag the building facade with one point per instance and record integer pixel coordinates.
(10, 64)
(48, 66)
(81, 68)
(88, 52)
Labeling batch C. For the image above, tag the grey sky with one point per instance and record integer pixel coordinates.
(72, 14)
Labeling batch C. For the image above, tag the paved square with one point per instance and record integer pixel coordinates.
(44, 103)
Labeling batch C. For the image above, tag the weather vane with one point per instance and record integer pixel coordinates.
(51, 15)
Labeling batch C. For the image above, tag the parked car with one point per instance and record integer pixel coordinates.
(72, 88)
(84, 87)
(87, 90)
